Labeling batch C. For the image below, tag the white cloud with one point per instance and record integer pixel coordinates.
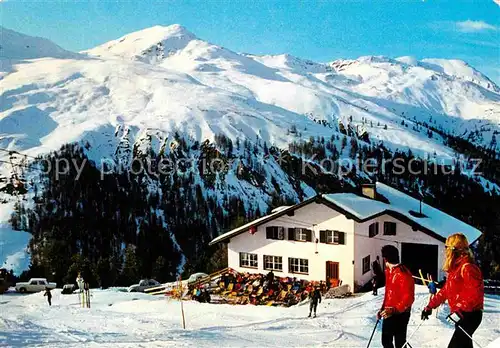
(469, 26)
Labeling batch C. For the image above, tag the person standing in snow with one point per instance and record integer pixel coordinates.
(398, 299)
(314, 297)
(374, 286)
(80, 282)
(378, 274)
(49, 295)
(464, 290)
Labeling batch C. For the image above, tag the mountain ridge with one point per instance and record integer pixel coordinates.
(165, 78)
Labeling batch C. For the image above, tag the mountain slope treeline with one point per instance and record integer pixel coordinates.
(123, 226)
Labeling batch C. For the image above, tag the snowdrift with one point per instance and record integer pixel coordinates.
(120, 319)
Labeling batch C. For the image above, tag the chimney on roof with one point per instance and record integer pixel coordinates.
(369, 190)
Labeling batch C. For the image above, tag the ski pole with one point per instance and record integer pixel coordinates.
(373, 332)
(408, 340)
(465, 332)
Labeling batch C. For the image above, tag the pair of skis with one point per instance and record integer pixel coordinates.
(426, 282)
(85, 298)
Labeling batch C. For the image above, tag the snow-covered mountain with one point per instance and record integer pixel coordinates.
(137, 91)
(14, 45)
(165, 78)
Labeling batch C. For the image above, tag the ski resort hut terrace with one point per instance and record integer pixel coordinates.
(337, 237)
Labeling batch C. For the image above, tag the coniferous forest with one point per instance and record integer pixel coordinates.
(126, 225)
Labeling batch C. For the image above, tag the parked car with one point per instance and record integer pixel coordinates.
(35, 285)
(143, 285)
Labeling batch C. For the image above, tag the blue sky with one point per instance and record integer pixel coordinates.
(317, 30)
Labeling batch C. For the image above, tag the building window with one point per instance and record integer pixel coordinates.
(273, 263)
(373, 230)
(366, 264)
(275, 232)
(389, 228)
(248, 260)
(300, 234)
(298, 265)
(332, 237)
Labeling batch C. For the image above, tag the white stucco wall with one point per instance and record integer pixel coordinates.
(318, 215)
(365, 246)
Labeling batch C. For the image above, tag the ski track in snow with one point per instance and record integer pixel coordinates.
(119, 319)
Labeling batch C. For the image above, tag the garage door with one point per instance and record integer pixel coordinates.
(420, 256)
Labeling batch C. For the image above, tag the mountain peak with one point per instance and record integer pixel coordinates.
(161, 31)
(148, 44)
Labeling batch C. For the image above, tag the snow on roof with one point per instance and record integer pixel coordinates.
(434, 220)
(275, 210)
(358, 206)
(363, 208)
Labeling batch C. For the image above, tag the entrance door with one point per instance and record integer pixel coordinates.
(332, 273)
(420, 256)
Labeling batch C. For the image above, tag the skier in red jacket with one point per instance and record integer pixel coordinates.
(398, 299)
(464, 290)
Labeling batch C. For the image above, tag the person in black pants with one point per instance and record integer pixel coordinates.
(395, 328)
(463, 289)
(49, 296)
(314, 297)
(398, 299)
(469, 321)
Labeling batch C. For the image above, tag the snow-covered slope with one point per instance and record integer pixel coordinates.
(165, 78)
(118, 319)
(445, 94)
(459, 69)
(13, 244)
(14, 45)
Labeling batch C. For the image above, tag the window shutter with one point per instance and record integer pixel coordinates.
(322, 236)
(291, 233)
(281, 233)
(341, 238)
(309, 235)
(269, 233)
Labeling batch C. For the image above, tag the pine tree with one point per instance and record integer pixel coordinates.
(344, 143)
(354, 148)
(130, 271)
